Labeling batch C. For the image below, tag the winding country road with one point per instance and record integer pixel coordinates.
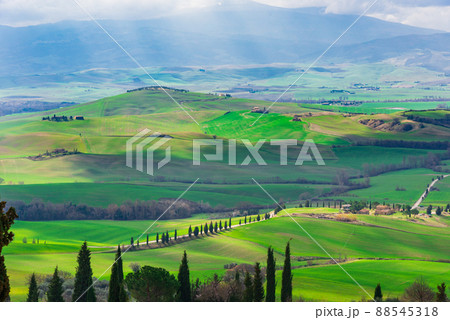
(425, 193)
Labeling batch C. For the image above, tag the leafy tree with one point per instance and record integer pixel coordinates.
(286, 281)
(55, 289)
(83, 290)
(151, 284)
(378, 295)
(248, 291)
(356, 206)
(447, 208)
(33, 294)
(258, 290)
(196, 231)
(190, 231)
(184, 281)
(270, 276)
(441, 296)
(438, 211)
(116, 288)
(430, 207)
(6, 236)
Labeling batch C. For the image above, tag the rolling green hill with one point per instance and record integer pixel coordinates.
(247, 244)
(95, 174)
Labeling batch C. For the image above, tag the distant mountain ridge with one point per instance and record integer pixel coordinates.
(230, 34)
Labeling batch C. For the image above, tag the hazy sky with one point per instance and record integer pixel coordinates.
(423, 13)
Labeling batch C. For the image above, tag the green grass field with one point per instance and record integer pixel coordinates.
(247, 244)
(98, 177)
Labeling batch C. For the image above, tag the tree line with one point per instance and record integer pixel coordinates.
(433, 145)
(196, 231)
(152, 284)
(37, 210)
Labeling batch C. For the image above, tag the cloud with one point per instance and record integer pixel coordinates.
(422, 13)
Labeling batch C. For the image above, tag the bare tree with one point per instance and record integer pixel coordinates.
(419, 291)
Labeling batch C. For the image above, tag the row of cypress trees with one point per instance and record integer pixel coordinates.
(83, 287)
(84, 290)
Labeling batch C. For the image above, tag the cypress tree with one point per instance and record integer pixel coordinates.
(175, 236)
(116, 289)
(216, 227)
(33, 295)
(206, 228)
(286, 282)
(157, 237)
(6, 236)
(220, 225)
(211, 228)
(270, 277)
(201, 229)
(226, 225)
(258, 218)
(190, 231)
(248, 284)
(378, 295)
(438, 211)
(258, 290)
(239, 221)
(229, 223)
(184, 281)
(55, 290)
(83, 289)
(167, 237)
(132, 241)
(441, 296)
(245, 220)
(147, 238)
(196, 231)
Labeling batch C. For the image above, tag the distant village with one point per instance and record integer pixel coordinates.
(62, 118)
